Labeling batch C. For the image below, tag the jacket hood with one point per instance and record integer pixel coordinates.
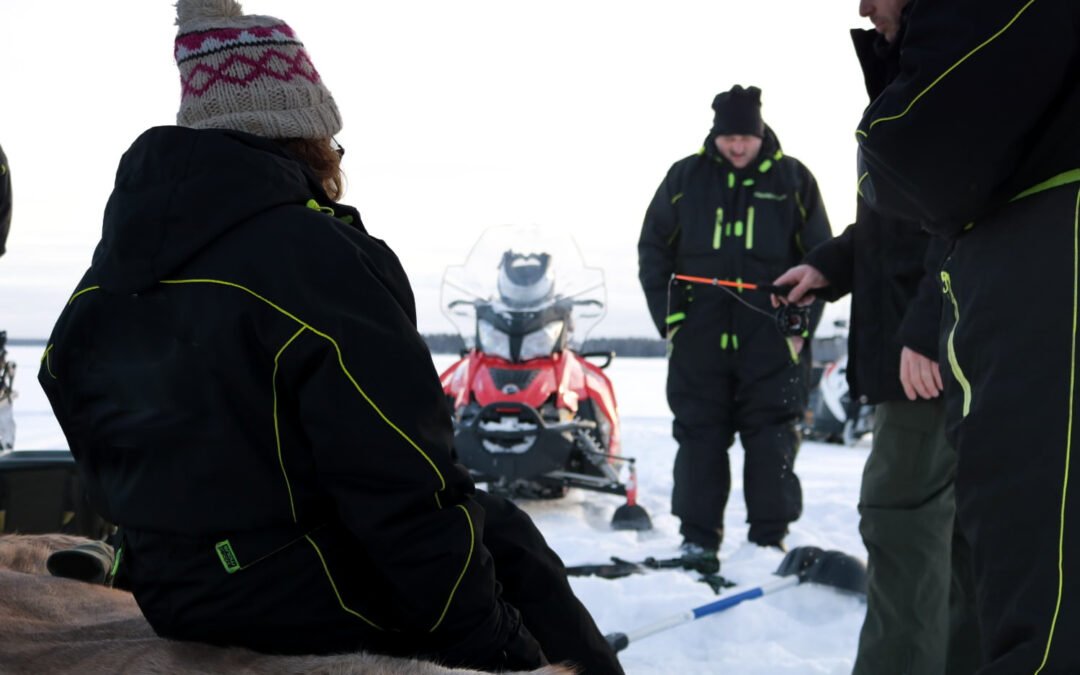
(769, 145)
(179, 189)
(879, 58)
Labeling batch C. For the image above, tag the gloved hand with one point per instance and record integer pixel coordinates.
(522, 652)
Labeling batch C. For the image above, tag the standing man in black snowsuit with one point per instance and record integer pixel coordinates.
(243, 387)
(740, 209)
(978, 139)
(920, 613)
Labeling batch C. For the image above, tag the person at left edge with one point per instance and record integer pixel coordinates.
(739, 209)
(5, 201)
(245, 393)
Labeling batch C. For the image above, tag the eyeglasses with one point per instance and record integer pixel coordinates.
(336, 147)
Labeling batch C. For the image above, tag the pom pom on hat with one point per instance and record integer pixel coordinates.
(248, 73)
(189, 10)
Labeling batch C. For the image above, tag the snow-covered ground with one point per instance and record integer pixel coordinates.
(800, 631)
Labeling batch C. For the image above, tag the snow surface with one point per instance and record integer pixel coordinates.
(799, 631)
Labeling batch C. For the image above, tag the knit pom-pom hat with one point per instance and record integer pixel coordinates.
(248, 73)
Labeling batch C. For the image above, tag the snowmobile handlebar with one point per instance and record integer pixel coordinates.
(607, 356)
(480, 302)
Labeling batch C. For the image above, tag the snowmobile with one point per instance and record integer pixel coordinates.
(533, 415)
(832, 416)
(7, 396)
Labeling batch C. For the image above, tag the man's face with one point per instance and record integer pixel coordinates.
(739, 149)
(885, 15)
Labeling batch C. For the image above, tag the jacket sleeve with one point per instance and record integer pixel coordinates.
(5, 201)
(835, 259)
(815, 228)
(920, 326)
(656, 249)
(373, 410)
(977, 77)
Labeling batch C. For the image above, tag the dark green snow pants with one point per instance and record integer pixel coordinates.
(920, 613)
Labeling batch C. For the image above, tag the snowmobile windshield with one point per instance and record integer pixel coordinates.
(523, 293)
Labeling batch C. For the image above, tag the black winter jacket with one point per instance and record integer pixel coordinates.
(888, 265)
(985, 108)
(710, 219)
(5, 201)
(242, 385)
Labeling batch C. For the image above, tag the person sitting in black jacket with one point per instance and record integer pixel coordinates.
(243, 387)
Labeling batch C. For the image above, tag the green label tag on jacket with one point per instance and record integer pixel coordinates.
(228, 558)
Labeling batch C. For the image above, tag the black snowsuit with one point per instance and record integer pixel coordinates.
(730, 370)
(5, 201)
(907, 503)
(978, 139)
(241, 382)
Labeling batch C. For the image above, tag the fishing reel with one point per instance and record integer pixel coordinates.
(793, 320)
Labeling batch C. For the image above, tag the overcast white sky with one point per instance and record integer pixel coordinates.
(458, 116)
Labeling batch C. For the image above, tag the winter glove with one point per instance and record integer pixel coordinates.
(521, 652)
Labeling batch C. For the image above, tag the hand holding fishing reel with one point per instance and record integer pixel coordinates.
(791, 320)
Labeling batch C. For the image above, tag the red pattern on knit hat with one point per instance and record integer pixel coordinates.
(298, 66)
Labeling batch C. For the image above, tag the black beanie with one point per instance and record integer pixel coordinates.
(738, 112)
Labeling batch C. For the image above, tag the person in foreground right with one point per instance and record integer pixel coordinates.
(920, 614)
(978, 139)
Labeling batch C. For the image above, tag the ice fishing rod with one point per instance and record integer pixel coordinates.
(781, 291)
(791, 320)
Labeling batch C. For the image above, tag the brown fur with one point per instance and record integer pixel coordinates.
(52, 625)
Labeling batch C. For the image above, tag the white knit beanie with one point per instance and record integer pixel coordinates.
(248, 73)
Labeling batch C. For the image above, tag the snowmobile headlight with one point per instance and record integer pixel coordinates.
(492, 340)
(540, 343)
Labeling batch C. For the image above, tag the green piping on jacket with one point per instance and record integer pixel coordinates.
(1064, 178)
(1068, 436)
(949, 70)
(954, 364)
(750, 228)
(277, 427)
(333, 586)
